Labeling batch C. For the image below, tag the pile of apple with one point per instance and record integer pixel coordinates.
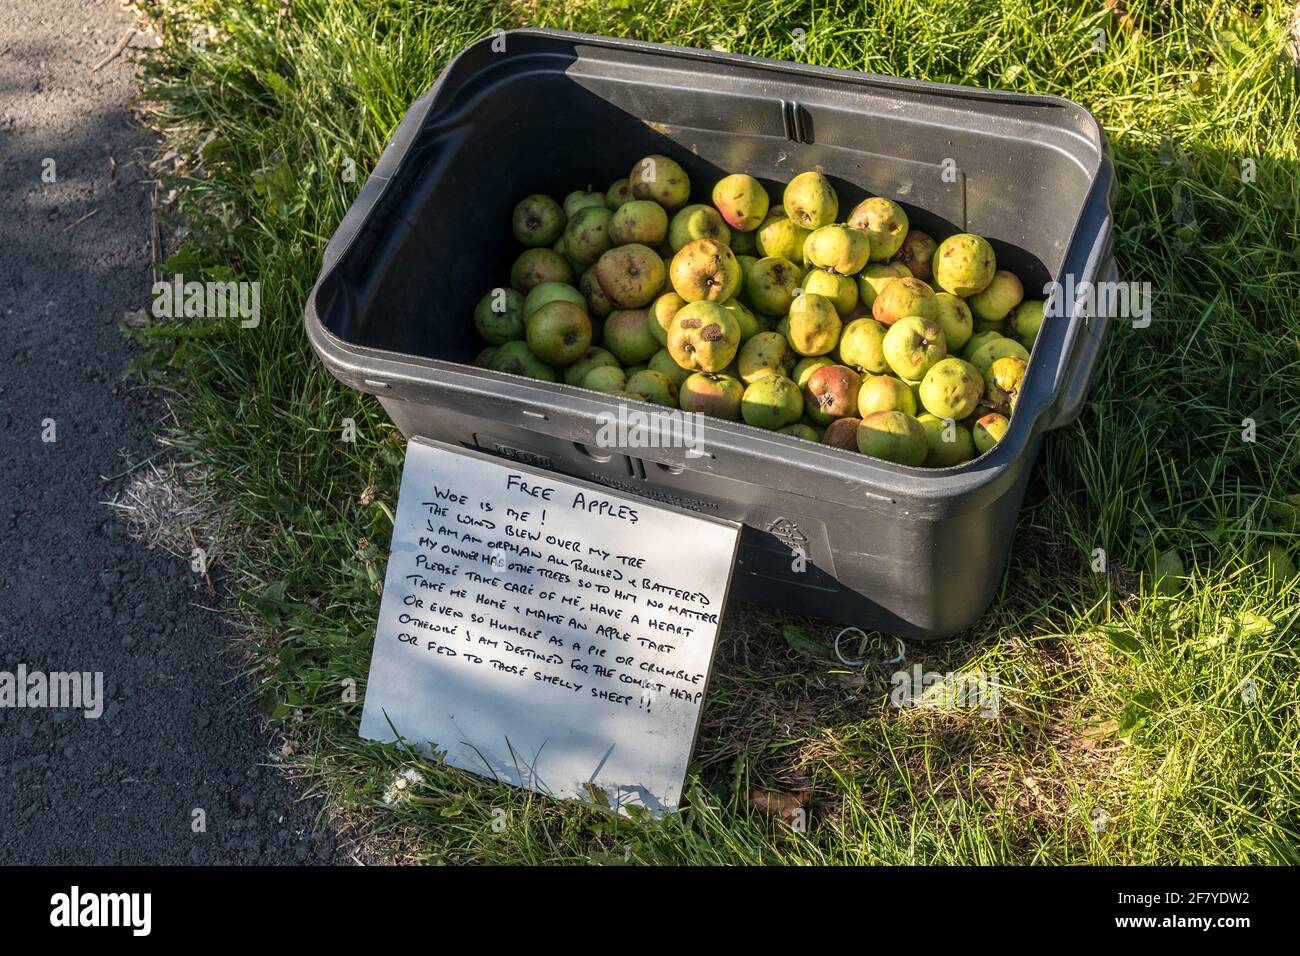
(860, 333)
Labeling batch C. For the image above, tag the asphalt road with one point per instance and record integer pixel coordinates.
(177, 767)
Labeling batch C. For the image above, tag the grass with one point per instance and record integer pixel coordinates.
(1143, 721)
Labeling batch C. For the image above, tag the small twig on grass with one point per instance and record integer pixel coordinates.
(155, 232)
(113, 53)
(73, 225)
(122, 474)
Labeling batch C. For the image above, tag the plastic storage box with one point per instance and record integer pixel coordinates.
(430, 234)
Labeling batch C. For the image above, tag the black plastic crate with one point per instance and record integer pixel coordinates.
(430, 234)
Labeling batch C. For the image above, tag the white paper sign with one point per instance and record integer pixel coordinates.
(545, 632)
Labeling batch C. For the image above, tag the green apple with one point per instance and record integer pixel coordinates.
(559, 332)
(630, 276)
(772, 402)
(595, 357)
(1026, 319)
(771, 285)
(954, 317)
(885, 224)
(697, 222)
(586, 237)
(810, 201)
(801, 430)
(499, 316)
(628, 336)
(662, 179)
(964, 264)
(807, 366)
(662, 311)
(664, 363)
(975, 341)
(546, 292)
(884, 393)
(640, 220)
(744, 244)
(814, 325)
(535, 266)
(606, 378)
(748, 322)
(839, 249)
(951, 388)
(741, 200)
(598, 303)
(653, 387)
(841, 290)
(862, 345)
(893, 436)
(581, 199)
(619, 193)
(538, 220)
(875, 276)
(913, 345)
(992, 350)
(767, 353)
(779, 237)
(905, 296)
(1003, 382)
(516, 358)
(950, 442)
(703, 337)
(714, 394)
(988, 430)
(705, 270)
(995, 301)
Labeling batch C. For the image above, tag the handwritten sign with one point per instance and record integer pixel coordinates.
(546, 632)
